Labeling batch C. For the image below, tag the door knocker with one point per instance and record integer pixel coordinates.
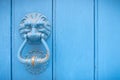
(34, 29)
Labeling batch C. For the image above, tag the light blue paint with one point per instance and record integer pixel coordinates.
(108, 40)
(84, 35)
(74, 40)
(5, 48)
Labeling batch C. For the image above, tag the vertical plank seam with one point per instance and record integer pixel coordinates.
(11, 40)
(95, 39)
(54, 39)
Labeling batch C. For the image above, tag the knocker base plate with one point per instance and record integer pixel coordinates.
(37, 68)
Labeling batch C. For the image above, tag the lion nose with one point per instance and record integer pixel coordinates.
(34, 35)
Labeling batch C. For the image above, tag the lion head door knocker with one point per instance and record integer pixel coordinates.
(34, 28)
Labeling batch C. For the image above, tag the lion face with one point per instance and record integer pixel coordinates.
(34, 26)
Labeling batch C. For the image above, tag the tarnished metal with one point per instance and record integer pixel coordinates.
(34, 29)
(33, 67)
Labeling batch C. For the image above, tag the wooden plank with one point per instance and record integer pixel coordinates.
(20, 9)
(74, 40)
(108, 40)
(5, 51)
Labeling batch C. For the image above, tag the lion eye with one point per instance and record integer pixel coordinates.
(28, 26)
(39, 26)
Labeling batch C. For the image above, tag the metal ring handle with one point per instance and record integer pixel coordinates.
(36, 60)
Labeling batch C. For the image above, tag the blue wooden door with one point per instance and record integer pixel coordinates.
(74, 40)
(108, 52)
(84, 39)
